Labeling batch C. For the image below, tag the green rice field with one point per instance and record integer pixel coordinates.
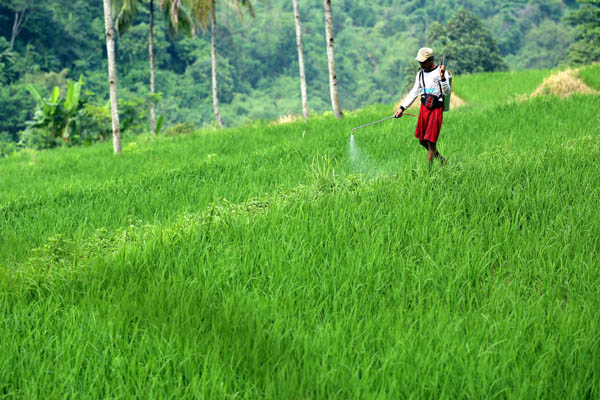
(491, 88)
(289, 262)
(591, 76)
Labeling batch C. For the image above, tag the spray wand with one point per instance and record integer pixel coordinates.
(376, 122)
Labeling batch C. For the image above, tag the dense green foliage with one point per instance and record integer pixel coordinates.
(587, 45)
(375, 42)
(287, 262)
(466, 45)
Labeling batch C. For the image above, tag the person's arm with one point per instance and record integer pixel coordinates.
(413, 94)
(410, 98)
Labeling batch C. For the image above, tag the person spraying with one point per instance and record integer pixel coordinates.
(433, 86)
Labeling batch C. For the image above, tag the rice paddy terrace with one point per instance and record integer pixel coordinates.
(280, 261)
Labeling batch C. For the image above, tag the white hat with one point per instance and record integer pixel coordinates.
(424, 54)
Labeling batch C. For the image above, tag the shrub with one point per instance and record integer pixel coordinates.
(184, 128)
(7, 145)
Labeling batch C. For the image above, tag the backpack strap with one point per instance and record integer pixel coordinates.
(422, 78)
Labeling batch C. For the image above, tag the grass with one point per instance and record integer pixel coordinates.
(496, 88)
(591, 76)
(266, 262)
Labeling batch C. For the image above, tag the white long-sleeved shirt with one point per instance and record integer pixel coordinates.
(432, 86)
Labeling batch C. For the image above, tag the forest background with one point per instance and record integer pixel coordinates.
(64, 40)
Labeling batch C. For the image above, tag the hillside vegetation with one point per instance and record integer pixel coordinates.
(258, 64)
(284, 261)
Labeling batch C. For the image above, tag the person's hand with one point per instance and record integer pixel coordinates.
(399, 113)
(443, 72)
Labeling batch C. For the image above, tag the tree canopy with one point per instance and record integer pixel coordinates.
(466, 44)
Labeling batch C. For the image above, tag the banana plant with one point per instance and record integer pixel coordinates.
(55, 115)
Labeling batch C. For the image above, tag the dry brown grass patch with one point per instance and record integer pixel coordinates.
(563, 84)
(286, 119)
(456, 102)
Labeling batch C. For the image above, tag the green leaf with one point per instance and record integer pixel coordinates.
(55, 95)
(160, 123)
(35, 93)
(69, 99)
(73, 96)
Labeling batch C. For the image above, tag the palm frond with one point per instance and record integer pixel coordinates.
(242, 4)
(200, 11)
(248, 5)
(174, 13)
(178, 14)
(127, 11)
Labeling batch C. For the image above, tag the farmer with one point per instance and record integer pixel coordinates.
(432, 84)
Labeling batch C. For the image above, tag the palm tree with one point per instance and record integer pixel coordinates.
(128, 10)
(301, 60)
(331, 60)
(152, 69)
(201, 11)
(112, 77)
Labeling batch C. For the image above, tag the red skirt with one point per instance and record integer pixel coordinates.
(429, 124)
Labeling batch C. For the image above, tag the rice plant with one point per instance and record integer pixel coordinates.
(273, 262)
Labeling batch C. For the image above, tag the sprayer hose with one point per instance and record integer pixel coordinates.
(373, 123)
(381, 120)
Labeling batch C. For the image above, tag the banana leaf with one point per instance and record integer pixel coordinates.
(35, 93)
(73, 95)
(55, 95)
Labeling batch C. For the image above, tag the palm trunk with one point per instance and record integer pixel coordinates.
(112, 77)
(331, 60)
(15, 31)
(301, 60)
(152, 71)
(214, 64)
(20, 19)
